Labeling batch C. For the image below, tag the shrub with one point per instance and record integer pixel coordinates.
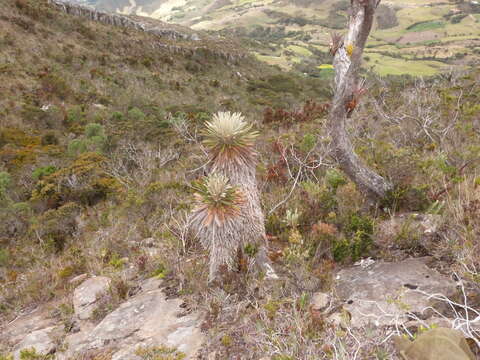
(4, 255)
(321, 239)
(309, 112)
(84, 181)
(56, 226)
(17, 137)
(117, 116)
(76, 147)
(135, 114)
(97, 143)
(308, 142)
(359, 230)
(341, 250)
(49, 139)
(21, 4)
(31, 354)
(36, 9)
(14, 219)
(92, 130)
(5, 181)
(95, 140)
(41, 172)
(33, 114)
(334, 178)
(75, 115)
(159, 353)
(55, 84)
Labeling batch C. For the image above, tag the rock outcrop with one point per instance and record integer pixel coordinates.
(388, 293)
(134, 22)
(403, 230)
(40, 340)
(86, 296)
(199, 44)
(147, 319)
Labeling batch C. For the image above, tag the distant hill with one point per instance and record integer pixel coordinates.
(411, 36)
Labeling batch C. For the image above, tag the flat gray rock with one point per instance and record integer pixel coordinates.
(16, 331)
(320, 301)
(39, 340)
(147, 319)
(86, 295)
(385, 293)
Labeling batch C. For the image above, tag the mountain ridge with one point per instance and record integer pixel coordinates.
(156, 28)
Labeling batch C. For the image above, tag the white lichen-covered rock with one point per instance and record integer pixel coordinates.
(386, 293)
(147, 319)
(40, 340)
(16, 331)
(86, 296)
(406, 229)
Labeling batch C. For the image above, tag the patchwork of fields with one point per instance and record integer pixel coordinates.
(410, 37)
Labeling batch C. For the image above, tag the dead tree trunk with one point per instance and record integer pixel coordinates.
(347, 62)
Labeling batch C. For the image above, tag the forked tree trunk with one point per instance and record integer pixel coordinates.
(347, 63)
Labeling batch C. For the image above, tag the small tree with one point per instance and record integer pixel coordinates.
(231, 146)
(348, 90)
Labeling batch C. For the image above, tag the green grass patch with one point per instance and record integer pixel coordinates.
(325, 66)
(386, 65)
(299, 50)
(426, 25)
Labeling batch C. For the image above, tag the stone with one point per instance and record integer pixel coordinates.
(337, 319)
(320, 301)
(146, 319)
(78, 279)
(149, 242)
(436, 344)
(153, 252)
(86, 296)
(212, 355)
(129, 273)
(40, 340)
(402, 230)
(385, 293)
(15, 332)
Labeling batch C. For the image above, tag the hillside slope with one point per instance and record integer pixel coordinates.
(97, 120)
(72, 87)
(411, 37)
(101, 151)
